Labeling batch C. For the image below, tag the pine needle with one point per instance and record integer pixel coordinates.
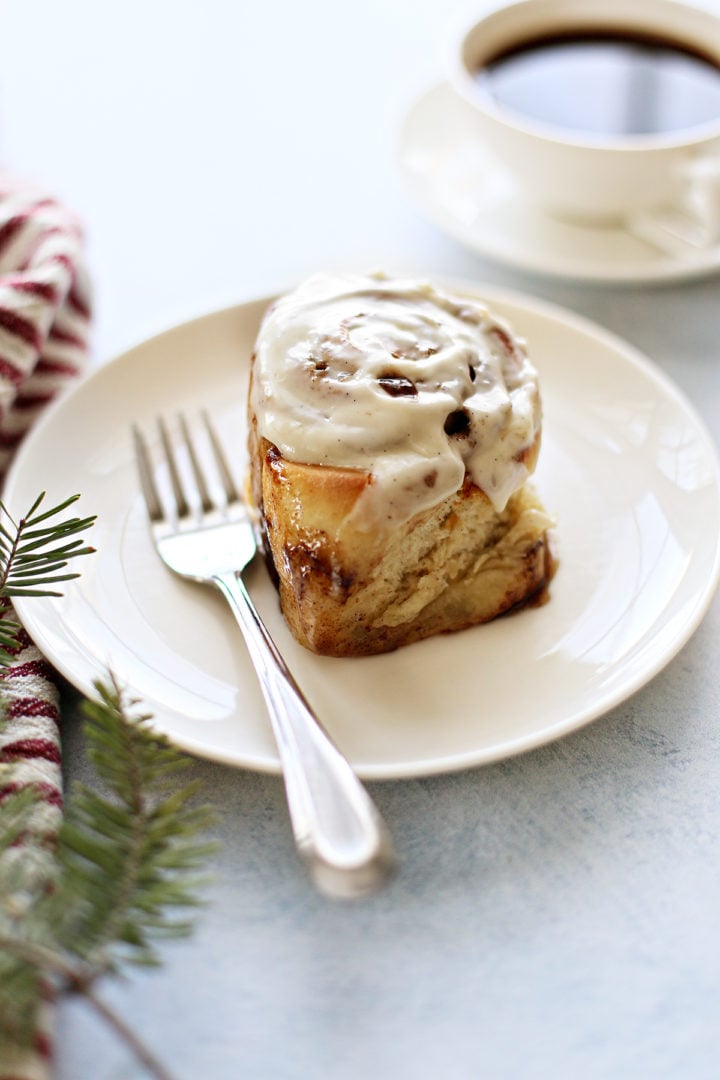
(128, 865)
(127, 871)
(33, 552)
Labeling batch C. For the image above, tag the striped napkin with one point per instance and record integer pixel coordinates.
(44, 327)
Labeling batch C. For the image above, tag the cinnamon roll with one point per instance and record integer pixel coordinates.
(392, 430)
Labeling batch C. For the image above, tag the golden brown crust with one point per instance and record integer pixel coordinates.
(345, 591)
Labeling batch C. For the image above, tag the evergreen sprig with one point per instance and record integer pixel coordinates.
(34, 551)
(126, 867)
(128, 859)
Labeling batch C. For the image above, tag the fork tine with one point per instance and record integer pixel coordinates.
(231, 492)
(181, 504)
(147, 480)
(206, 501)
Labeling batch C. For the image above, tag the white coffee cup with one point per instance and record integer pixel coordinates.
(574, 175)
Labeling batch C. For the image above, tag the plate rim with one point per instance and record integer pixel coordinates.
(438, 765)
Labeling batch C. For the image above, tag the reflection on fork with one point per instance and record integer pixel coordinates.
(208, 537)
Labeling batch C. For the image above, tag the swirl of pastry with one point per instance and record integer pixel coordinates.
(418, 388)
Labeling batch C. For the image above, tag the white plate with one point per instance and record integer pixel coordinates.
(458, 185)
(625, 465)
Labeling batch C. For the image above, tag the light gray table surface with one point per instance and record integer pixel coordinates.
(555, 915)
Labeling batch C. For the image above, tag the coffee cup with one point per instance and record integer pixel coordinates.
(575, 165)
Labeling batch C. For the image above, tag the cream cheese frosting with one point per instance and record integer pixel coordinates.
(402, 380)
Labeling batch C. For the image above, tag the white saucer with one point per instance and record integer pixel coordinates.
(456, 183)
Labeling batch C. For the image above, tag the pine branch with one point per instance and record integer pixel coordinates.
(141, 842)
(33, 552)
(128, 860)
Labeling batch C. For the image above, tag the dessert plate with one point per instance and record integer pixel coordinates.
(457, 184)
(626, 466)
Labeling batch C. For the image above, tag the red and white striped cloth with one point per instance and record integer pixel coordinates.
(44, 327)
(44, 306)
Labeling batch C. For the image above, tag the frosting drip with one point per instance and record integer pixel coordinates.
(399, 379)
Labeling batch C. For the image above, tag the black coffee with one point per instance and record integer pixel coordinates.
(606, 83)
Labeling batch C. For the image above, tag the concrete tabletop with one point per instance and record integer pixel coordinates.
(554, 915)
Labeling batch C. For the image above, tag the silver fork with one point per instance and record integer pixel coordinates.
(338, 830)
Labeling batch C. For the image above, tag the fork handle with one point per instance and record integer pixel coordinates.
(338, 830)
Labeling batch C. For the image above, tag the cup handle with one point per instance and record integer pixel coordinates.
(691, 227)
(701, 201)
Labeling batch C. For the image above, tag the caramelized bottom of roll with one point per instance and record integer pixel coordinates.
(346, 591)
